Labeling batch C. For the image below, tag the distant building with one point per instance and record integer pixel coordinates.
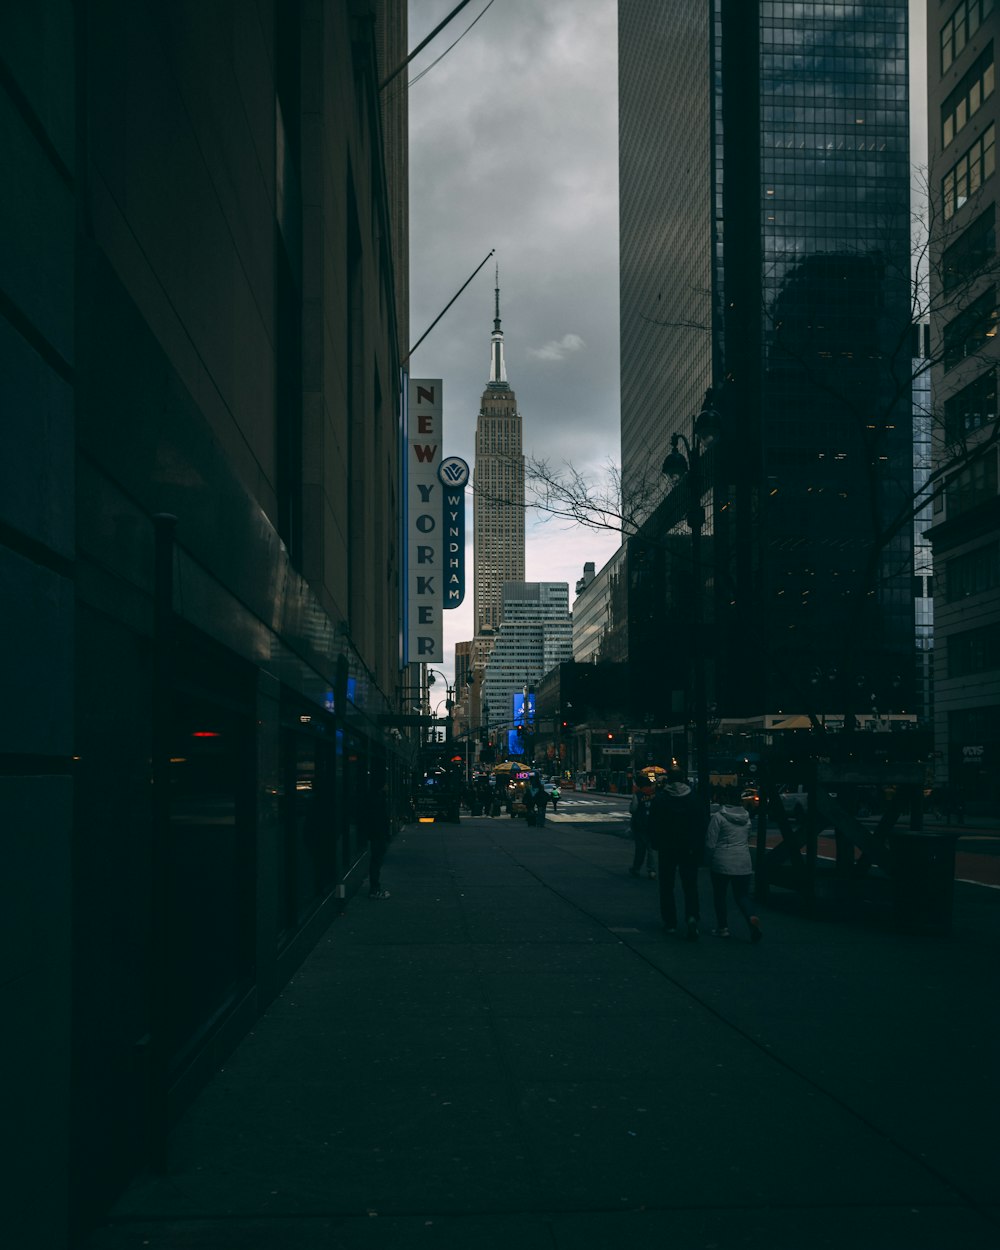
(466, 714)
(498, 489)
(964, 117)
(535, 635)
(463, 664)
(592, 611)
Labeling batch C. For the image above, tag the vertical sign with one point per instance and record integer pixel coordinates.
(454, 474)
(424, 539)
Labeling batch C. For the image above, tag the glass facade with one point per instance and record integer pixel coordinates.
(665, 217)
(791, 123)
(836, 415)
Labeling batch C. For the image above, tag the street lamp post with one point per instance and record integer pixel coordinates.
(449, 699)
(688, 465)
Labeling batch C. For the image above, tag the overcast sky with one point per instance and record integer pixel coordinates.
(514, 146)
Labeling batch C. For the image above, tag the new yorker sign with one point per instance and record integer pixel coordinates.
(425, 536)
(454, 475)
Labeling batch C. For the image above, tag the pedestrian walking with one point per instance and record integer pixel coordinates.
(540, 798)
(677, 831)
(643, 855)
(727, 842)
(375, 822)
(555, 795)
(528, 798)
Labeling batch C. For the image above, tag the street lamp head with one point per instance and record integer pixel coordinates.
(708, 423)
(675, 465)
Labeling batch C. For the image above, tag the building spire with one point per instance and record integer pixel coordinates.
(496, 322)
(498, 370)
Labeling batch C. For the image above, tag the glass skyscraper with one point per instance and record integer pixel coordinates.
(765, 253)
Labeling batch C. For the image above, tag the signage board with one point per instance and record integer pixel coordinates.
(453, 473)
(424, 529)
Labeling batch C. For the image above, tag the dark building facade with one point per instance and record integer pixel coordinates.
(964, 115)
(199, 536)
(765, 255)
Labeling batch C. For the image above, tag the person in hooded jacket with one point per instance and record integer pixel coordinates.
(676, 829)
(728, 845)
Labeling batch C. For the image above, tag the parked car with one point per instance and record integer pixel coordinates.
(750, 799)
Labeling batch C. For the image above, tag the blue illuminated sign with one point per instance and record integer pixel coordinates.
(522, 715)
(454, 475)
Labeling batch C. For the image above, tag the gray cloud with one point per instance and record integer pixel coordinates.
(558, 349)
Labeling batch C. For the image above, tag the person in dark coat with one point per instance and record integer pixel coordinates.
(540, 798)
(676, 829)
(375, 821)
(528, 798)
(639, 820)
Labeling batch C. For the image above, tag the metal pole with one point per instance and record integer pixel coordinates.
(446, 307)
(160, 1000)
(696, 520)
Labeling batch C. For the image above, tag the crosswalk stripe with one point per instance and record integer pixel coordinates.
(581, 819)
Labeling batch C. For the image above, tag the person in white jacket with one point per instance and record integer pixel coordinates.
(727, 844)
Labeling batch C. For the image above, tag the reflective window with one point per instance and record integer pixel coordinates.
(968, 97)
(974, 651)
(969, 173)
(966, 334)
(973, 407)
(975, 248)
(960, 27)
(974, 485)
(973, 573)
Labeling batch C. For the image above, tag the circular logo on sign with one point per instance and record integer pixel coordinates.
(453, 471)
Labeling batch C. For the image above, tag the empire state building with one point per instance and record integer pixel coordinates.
(498, 489)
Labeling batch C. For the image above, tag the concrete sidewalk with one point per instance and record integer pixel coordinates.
(509, 1052)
